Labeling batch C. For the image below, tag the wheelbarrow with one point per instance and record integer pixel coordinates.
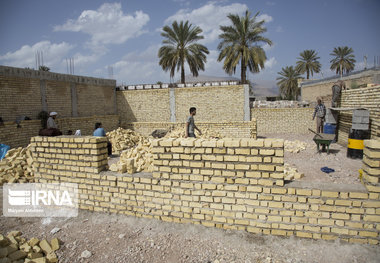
(323, 139)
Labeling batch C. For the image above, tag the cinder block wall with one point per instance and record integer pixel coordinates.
(20, 137)
(230, 184)
(237, 129)
(368, 98)
(284, 120)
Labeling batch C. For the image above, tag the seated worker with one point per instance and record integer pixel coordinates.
(99, 132)
(52, 126)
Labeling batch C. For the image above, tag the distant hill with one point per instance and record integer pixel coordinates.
(265, 88)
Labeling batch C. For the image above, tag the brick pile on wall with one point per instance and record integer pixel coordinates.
(283, 120)
(368, 98)
(236, 129)
(371, 165)
(230, 184)
(20, 137)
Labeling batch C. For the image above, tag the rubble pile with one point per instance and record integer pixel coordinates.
(136, 159)
(16, 167)
(295, 146)
(123, 139)
(291, 173)
(179, 132)
(14, 248)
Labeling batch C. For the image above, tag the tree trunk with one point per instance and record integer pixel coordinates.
(243, 71)
(307, 74)
(183, 74)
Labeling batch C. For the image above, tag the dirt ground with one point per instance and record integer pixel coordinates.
(118, 238)
(309, 162)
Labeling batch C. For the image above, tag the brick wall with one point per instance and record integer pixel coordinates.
(283, 120)
(19, 97)
(230, 184)
(26, 92)
(20, 137)
(144, 105)
(213, 103)
(368, 98)
(314, 89)
(237, 129)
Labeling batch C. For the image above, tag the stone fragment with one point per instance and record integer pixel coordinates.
(19, 254)
(33, 242)
(86, 254)
(3, 241)
(3, 252)
(52, 257)
(54, 244)
(55, 230)
(45, 246)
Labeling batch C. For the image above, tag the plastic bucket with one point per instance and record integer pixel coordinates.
(329, 128)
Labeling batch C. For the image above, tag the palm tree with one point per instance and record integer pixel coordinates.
(288, 83)
(240, 44)
(344, 60)
(308, 62)
(44, 68)
(180, 47)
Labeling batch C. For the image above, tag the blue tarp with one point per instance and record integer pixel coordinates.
(3, 150)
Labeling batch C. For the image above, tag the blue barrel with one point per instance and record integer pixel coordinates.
(329, 128)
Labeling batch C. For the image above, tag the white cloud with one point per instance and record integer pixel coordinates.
(270, 3)
(140, 67)
(53, 55)
(265, 17)
(267, 47)
(107, 25)
(270, 63)
(208, 17)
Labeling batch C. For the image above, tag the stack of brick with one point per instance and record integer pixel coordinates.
(371, 165)
(68, 156)
(16, 167)
(15, 248)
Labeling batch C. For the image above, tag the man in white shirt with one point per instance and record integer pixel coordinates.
(50, 122)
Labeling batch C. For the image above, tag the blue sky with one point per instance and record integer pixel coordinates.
(125, 35)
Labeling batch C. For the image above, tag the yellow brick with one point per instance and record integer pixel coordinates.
(304, 234)
(265, 182)
(368, 234)
(207, 172)
(303, 192)
(329, 194)
(343, 202)
(328, 222)
(372, 218)
(243, 151)
(340, 231)
(278, 232)
(358, 195)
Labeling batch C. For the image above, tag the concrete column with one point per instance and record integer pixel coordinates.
(115, 101)
(172, 105)
(247, 110)
(43, 95)
(74, 100)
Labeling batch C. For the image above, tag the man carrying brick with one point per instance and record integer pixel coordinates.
(190, 125)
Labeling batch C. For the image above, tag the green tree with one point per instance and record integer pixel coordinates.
(180, 46)
(343, 61)
(44, 68)
(240, 43)
(308, 62)
(288, 83)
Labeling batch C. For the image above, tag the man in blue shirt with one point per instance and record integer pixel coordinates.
(99, 132)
